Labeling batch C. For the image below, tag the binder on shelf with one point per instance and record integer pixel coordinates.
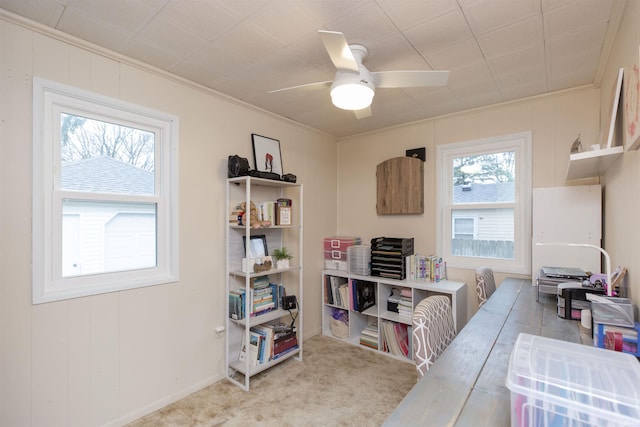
(364, 294)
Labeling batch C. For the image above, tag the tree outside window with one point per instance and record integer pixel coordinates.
(485, 187)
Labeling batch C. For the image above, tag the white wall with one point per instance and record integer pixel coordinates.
(104, 359)
(621, 183)
(110, 358)
(555, 121)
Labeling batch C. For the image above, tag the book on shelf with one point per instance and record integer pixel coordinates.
(364, 295)
(289, 350)
(426, 267)
(396, 338)
(263, 297)
(336, 291)
(266, 332)
(267, 211)
(405, 307)
(268, 342)
(369, 336)
(284, 343)
(254, 348)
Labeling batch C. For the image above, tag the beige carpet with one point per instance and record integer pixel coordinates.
(336, 384)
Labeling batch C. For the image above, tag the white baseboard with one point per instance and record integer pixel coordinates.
(146, 410)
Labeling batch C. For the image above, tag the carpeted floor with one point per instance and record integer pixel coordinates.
(336, 384)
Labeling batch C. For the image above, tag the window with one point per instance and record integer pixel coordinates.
(463, 228)
(484, 192)
(104, 194)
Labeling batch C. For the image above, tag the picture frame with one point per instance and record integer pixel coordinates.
(266, 154)
(257, 246)
(613, 117)
(632, 105)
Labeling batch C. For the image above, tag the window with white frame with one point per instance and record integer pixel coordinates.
(104, 194)
(484, 193)
(463, 227)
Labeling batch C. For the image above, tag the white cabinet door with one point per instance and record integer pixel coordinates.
(566, 215)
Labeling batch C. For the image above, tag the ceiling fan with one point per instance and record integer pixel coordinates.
(354, 85)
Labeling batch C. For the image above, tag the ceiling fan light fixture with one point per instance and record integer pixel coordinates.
(352, 96)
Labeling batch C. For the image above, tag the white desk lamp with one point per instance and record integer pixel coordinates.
(586, 245)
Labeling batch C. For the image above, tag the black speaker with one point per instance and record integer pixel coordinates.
(238, 166)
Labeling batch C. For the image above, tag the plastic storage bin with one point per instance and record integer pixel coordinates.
(617, 338)
(557, 383)
(613, 311)
(359, 259)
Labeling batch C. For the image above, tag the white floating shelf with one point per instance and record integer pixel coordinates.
(592, 163)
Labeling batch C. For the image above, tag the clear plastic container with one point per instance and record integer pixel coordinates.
(557, 383)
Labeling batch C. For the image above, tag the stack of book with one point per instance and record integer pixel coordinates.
(263, 295)
(405, 308)
(369, 336)
(284, 342)
(269, 342)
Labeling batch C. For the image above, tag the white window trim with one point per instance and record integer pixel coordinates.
(519, 142)
(47, 281)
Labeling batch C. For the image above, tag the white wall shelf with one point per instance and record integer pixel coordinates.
(592, 163)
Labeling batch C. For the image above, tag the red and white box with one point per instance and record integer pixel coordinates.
(336, 247)
(335, 251)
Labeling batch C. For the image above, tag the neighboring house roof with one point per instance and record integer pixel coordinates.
(106, 175)
(480, 193)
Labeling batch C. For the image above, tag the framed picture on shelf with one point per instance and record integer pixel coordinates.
(257, 246)
(266, 154)
(613, 117)
(631, 105)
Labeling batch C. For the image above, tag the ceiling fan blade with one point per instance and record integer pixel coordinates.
(307, 86)
(390, 79)
(361, 114)
(339, 50)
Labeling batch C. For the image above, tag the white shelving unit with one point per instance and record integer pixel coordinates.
(592, 163)
(374, 315)
(237, 332)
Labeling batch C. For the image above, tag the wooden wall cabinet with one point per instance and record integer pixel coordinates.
(400, 185)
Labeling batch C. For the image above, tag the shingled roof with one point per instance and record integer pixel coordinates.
(482, 193)
(106, 175)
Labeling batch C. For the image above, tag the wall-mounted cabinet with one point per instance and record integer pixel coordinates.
(592, 163)
(400, 185)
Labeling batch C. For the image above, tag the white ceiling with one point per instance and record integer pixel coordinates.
(495, 50)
